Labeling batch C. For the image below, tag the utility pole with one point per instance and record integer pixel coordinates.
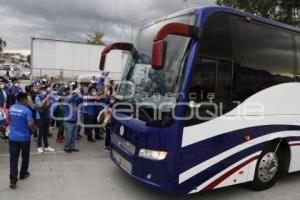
(185, 4)
(131, 38)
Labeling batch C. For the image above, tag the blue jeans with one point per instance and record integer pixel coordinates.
(14, 150)
(70, 135)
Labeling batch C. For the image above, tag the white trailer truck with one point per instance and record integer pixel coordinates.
(70, 60)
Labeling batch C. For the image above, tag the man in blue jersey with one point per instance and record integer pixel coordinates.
(4, 97)
(70, 122)
(90, 111)
(15, 90)
(19, 138)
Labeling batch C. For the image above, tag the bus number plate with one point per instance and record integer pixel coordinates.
(126, 165)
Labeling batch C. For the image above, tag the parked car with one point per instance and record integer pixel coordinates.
(24, 73)
(7, 70)
(14, 71)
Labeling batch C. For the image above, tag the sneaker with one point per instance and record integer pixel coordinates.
(98, 137)
(107, 149)
(67, 150)
(25, 176)
(4, 140)
(78, 137)
(40, 150)
(13, 185)
(91, 140)
(49, 149)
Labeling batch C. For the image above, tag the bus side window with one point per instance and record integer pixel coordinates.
(203, 82)
(211, 78)
(297, 40)
(267, 58)
(202, 92)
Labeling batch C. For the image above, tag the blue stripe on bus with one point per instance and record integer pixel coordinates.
(293, 139)
(207, 174)
(199, 152)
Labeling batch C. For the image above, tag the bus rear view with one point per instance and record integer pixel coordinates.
(198, 104)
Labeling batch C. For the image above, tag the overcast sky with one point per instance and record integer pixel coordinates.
(72, 19)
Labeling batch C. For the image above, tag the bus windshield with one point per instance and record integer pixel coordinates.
(155, 88)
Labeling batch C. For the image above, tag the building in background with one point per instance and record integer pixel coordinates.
(15, 56)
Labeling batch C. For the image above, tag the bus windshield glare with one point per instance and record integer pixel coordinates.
(151, 88)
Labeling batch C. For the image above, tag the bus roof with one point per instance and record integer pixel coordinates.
(205, 11)
(213, 9)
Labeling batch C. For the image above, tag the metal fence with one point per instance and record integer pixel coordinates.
(70, 75)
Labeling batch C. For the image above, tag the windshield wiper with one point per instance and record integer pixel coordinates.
(149, 119)
(140, 112)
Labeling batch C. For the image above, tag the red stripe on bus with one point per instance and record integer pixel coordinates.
(227, 174)
(295, 144)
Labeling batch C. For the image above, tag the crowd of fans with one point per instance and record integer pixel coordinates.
(67, 106)
(47, 103)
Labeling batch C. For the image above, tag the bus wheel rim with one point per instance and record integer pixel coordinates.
(268, 167)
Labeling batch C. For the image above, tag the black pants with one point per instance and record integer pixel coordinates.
(90, 121)
(60, 125)
(35, 133)
(78, 130)
(52, 123)
(43, 125)
(107, 137)
(14, 150)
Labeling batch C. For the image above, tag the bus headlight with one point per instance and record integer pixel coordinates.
(153, 155)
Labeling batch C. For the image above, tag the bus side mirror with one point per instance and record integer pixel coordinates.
(159, 48)
(159, 52)
(115, 46)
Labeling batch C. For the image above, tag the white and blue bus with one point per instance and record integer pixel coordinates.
(210, 97)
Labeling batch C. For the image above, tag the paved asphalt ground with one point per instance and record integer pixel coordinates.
(90, 175)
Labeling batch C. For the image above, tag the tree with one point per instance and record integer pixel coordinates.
(96, 37)
(280, 10)
(28, 59)
(2, 45)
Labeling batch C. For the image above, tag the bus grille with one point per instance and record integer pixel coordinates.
(123, 144)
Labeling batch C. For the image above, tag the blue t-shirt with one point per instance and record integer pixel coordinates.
(92, 107)
(88, 106)
(3, 98)
(70, 108)
(14, 91)
(17, 90)
(3, 117)
(20, 115)
(46, 110)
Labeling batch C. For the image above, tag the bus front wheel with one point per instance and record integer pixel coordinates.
(269, 168)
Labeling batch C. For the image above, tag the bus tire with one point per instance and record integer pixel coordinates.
(268, 169)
